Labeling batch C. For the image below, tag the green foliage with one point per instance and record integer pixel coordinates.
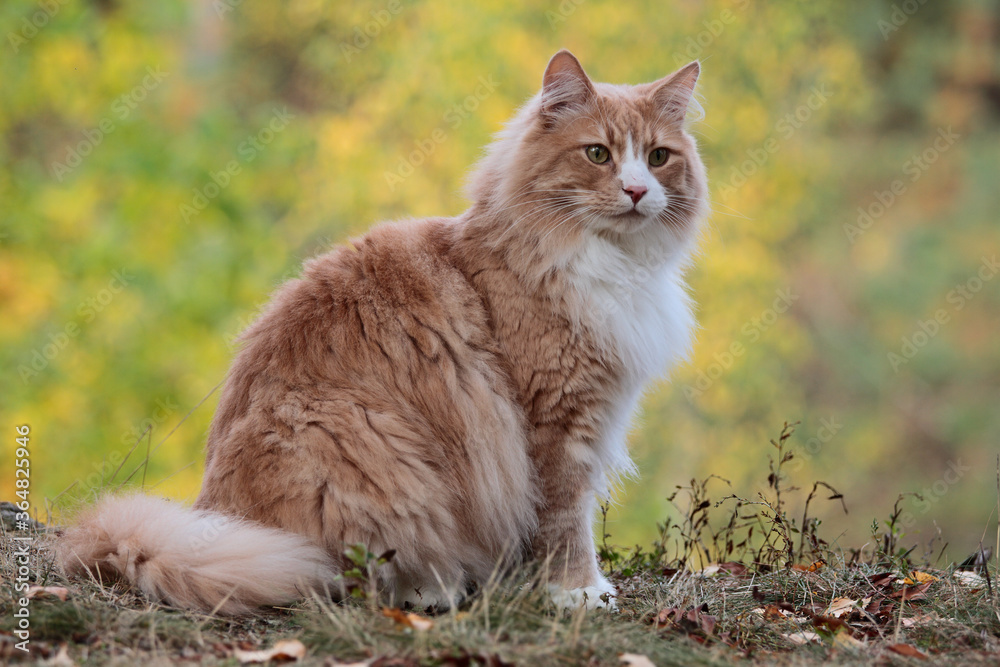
(363, 583)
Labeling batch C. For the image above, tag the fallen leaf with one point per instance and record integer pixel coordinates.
(830, 623)
(410, 620)
(635, 660)
(708, 571)
(55, 591)
(843, 639)
(770, 612)
(286, 649)
(810, 568)
(802, 637)
(707, 623)
(840, 606)
(923, 577)
(733, 568)
(61, 659)
(881, 579)
(967, 578)
(909, 593)
(907, 650)
(692, 620)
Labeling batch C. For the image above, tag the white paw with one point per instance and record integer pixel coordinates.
(601, 595)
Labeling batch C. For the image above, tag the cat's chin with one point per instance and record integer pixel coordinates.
(623, 224)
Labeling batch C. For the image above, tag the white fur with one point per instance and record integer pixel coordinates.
(589, 596)
(191, 558)
(637, 304)
(635, 172)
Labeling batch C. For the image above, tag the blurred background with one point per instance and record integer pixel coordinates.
(164, 166)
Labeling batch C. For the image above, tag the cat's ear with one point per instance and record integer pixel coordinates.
(565, 84)
(674, 93)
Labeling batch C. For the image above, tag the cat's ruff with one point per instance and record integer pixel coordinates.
(458, 390)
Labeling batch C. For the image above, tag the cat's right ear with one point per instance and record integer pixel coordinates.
(565, 84)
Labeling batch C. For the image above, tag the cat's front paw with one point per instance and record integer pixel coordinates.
(599, 596)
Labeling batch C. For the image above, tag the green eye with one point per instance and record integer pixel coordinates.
(658, 156)
(598, 154)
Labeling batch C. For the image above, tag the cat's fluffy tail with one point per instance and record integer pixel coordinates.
(190, 558)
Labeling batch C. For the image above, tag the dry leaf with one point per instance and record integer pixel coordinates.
(809, 568)
(969, 578)
(410, 620)
(60, 659)
(707, 571)
(918, 592)
(55, 591)
(286, 649)
(840, 606)
(802, 637)
(907, 650)
(843, 639)
(692, 620)
(635, 660)
(881, 579)
(770, 612)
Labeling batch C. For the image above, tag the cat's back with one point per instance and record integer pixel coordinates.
(375, 375)
(381, 297)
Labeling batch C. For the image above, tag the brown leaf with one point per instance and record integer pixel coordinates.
(882, 579)
(830, 623)
(690, 621)
(54, 591)
(772, 613)
(802, 637)
(708, 623)
(840, 606)
(285, 650)
(907, 650)
(844, 639)
(812, 567)
(663, 617)
(410, 620)
(733, 568)
(61, 659)
(908, 593)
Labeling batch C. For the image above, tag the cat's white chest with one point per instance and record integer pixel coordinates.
(638, 307)
(641, 313)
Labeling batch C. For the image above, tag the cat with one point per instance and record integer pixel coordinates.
(455, 389)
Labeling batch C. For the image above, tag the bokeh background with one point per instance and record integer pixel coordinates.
(163, 166)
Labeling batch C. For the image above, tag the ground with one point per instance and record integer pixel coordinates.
(732, 581)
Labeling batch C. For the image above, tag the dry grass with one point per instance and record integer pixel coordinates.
(671, 610)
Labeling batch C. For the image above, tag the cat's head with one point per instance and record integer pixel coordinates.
(584, 158)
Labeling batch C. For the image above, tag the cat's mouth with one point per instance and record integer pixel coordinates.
(631, 215)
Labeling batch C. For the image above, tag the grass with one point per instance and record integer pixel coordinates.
(735, 580)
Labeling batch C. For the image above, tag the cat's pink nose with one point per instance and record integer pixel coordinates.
(635, 192)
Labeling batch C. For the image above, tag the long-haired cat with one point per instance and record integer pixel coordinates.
(455, 389)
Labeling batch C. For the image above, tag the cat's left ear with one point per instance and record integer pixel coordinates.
(565, 84)
(673, 93)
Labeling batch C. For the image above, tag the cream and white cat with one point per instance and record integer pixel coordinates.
(455, 389)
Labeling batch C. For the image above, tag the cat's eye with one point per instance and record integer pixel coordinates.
(598, 154)
(658, 156)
